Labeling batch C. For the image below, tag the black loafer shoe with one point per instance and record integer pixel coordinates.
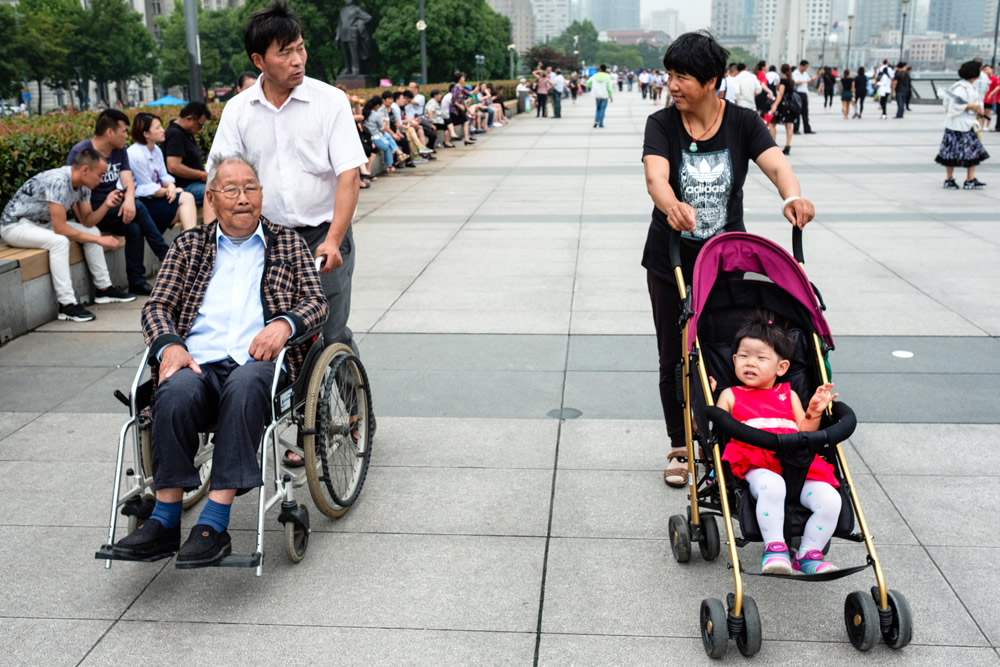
(204, 548)
(149, 539)
(143, 289)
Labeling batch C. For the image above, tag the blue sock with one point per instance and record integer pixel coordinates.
(215, 515)
(168, 514)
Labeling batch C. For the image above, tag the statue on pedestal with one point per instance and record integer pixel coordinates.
(353, 38)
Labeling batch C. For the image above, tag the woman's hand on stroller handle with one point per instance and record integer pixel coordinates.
(681, 217)
(799, 212)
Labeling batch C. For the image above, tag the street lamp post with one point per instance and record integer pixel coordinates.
(193, 49)
(850, 28)
(422, 29)
(996, 33)
(802, 44)
(902, 29)
(510, 50)
(822, 53)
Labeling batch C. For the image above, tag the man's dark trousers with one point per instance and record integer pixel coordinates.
(235, 398)
(556, 103)
(336, 285)
(901, 103)
(804, 116)
(141, 228)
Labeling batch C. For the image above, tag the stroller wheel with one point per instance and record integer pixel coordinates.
(861, 618)
(751, 636)
(680, 538)
(710, 543)
(900, 631)
(714, 630)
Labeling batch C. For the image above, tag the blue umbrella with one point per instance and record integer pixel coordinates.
(166, 101)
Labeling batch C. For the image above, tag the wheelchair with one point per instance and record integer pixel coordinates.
(325, 417)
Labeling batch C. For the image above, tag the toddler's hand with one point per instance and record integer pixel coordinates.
(712, 383)
(822, 398)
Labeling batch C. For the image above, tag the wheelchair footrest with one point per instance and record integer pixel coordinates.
(106, 553)
(241, 560)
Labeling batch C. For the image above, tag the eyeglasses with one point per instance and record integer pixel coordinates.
(232, 192)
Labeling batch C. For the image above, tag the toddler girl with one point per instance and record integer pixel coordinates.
(762, 353)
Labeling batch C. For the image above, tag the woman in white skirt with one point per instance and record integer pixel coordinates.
(961, 146)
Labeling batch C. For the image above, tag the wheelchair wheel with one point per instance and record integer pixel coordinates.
(339, 425)
(190, 498)
(861, 619)
(296, 540)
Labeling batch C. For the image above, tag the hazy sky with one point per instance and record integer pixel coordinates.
(694, 13)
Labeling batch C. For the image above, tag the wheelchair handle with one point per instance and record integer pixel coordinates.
(304, 338)
(844, 423)
(320, 261)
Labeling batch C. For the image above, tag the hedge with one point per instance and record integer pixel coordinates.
(29, 145)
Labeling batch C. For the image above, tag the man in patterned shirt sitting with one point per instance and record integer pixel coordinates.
(228, 297)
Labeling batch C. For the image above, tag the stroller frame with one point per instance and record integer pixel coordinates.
(882, 612)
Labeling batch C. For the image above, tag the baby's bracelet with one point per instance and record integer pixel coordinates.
(810, 417)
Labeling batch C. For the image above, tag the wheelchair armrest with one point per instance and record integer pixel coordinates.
(304, 338)
(842, 427)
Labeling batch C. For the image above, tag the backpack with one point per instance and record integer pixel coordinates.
(794, 102)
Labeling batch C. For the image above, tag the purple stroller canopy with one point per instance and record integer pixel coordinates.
(740, 251)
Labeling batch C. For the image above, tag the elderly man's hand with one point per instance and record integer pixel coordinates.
(174, 358)
(268, 343)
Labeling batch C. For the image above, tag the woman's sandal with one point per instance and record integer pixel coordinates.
(676, 477)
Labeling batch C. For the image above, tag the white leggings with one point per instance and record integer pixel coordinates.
(26, 234)
(824, 501)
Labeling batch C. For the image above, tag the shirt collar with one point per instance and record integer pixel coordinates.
(259, 232)
(299, 92)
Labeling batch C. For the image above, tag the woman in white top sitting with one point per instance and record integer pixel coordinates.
(153, 184)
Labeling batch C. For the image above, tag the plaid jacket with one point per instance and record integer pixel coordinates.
(289, 286)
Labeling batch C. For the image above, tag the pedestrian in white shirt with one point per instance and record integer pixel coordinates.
(559, 86)
(747, 87)
(301, 135)
(727, 90)
(802, 80)
(644, 82)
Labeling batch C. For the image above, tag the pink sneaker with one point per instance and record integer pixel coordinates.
(812, 563)
(776, 559)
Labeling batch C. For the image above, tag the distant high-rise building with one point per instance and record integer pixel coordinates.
(666, 20)
(551, 18)
(732, 18)
(613, 14)
(522, 21)
(963, 17)
(875, 17)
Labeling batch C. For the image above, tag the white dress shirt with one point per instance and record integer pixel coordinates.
(299, 149)
(148, 169)
(801, 80)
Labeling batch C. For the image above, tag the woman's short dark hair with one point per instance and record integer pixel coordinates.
(861, 70)
(697, 54)
(276, 23)
(969, 70)
(457, 75)
(763, 326)
(143, 121)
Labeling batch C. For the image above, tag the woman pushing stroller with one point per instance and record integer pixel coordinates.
(696, 155)
(763, 353)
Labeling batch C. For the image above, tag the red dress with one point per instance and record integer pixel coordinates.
(768, 410)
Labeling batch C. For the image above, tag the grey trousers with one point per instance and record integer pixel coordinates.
(235, 398)
(336, 286)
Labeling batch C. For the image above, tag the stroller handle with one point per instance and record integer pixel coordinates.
(675, 247)
(844, 423)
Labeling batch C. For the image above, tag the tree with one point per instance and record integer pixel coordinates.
(11, 63)
(652, 56)
(223, 57)
(457, 31)
(612, 54)
(549, 57)
(46, 32)
(587, 44)
(737, 54)
(113, 45)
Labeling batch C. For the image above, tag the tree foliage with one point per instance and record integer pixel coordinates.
(45, 41)
(550, 57)
(11, 58)
(457, 31)
(113, 45)
(222, 54)
(587, 44)
(737, 54)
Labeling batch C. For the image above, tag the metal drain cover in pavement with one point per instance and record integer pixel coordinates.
(564, 413)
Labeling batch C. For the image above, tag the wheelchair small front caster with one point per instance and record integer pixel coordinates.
(296, 522)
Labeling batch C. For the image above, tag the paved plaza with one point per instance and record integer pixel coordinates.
(493, 289)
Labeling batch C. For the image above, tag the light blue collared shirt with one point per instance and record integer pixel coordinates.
(148, 169)
(231, 315)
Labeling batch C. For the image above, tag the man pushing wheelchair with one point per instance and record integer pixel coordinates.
(229, 296)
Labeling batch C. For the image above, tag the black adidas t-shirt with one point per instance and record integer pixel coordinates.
(710, 179)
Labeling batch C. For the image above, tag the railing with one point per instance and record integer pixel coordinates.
(930, 89)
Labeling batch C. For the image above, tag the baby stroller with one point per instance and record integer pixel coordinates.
(734, 274)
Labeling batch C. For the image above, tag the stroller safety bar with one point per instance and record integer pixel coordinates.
(674, 249)
(840, 430)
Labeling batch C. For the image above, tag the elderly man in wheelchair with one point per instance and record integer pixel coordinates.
(236, 304)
